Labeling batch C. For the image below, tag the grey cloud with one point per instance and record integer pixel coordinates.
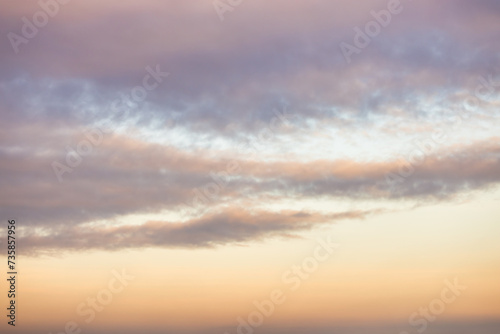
(239, 70)
(227, 227)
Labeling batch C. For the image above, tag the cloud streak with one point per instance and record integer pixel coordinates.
(231, 226)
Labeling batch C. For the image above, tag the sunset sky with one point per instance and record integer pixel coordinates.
(251, 166)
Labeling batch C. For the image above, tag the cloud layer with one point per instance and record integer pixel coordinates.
(216, 131)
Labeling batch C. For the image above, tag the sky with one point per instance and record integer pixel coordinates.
(251, 166)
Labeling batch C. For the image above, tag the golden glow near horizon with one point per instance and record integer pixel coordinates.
(404, 271)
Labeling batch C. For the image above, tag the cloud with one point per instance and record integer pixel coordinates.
(125, 175)
(238, 70)
(230, 226)
(226, 79)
